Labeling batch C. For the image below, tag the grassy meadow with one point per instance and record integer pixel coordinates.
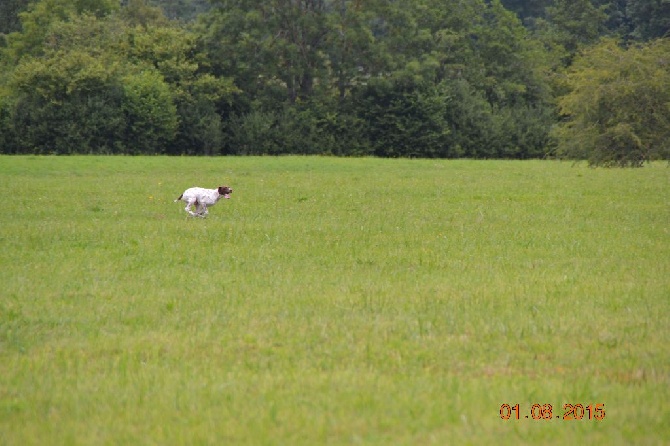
(332, 301)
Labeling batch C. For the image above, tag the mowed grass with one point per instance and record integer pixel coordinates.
(332, 301)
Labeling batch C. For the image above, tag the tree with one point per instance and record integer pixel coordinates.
(199, 96)
(527, 9)
(150, 114)
(569, 26)
(617, 112)
(117, 82)
(271, 47)
(183, 10)
(651, 18)
(404, 119)
(349, 45)
(67, 103)
(9, 15)
(36, 22)
(400, 78)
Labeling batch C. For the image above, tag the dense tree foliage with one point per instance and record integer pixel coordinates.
(618, 108)
(402, 78)
(183, 10)
(384, 73)
(9, 15)
(105, 80)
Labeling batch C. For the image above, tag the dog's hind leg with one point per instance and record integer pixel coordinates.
(200, 209)
(188, 207)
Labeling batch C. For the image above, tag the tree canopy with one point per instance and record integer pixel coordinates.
(618, 109)
(404, 78)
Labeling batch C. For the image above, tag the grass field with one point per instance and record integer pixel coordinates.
(333, 301)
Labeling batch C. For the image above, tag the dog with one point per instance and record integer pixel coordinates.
(201, 198)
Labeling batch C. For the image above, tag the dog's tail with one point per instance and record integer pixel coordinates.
(179, 198)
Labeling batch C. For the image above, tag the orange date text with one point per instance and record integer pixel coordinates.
(546, 412)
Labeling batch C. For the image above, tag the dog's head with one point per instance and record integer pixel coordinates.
(225, 191)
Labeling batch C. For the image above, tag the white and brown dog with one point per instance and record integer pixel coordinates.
(202, 198)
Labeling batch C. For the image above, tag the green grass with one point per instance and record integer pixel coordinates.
(332, 301)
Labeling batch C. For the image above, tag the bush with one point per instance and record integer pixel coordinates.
(68, 103)
(616, 112)
(8, 142)
(151, 116)
(403, 119)
(253, 133)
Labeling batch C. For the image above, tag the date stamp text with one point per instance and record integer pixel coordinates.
(546, 412)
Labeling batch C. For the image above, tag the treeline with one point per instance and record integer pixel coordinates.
(517, 79)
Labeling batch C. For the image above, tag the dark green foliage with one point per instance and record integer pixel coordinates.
(408, 78)
(200, 130)
(151, 116)
(638, 20)
(119, 83)
(8, 137)
(470, 120)
(9, 15)
(480, 130)
(403, 119)
(183, 10)
(376, 78)
(253, 133)
(527, 9)
(650, 18)
(69, 103)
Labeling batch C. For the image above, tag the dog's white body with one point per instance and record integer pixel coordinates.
(201, 198)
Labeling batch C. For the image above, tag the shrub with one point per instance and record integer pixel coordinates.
(151, 115)
(616, 112)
